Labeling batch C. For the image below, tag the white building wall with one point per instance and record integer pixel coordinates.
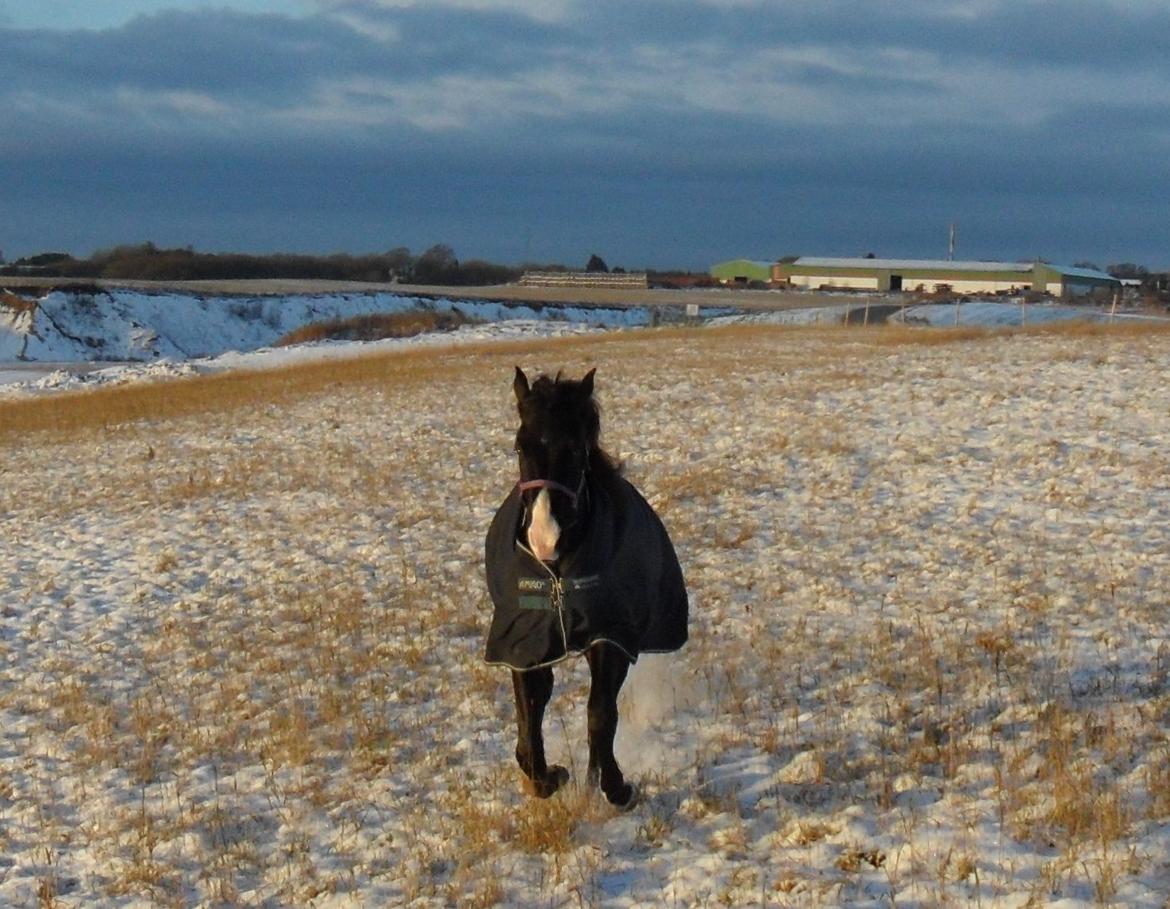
(929, 285)
(815, 281)
(973, 286)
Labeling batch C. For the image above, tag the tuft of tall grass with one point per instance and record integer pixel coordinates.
(377, 326)
(17, 304)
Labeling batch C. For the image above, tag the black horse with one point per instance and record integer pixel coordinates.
(577, 562)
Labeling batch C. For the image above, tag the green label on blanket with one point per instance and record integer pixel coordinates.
(535, 593)
(542, 593)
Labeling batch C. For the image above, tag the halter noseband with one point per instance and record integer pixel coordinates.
(574, 496)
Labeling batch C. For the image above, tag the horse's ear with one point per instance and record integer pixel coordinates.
(520, 385)
(587, 383)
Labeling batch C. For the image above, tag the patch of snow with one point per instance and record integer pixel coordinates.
(812, 315)
(988, 314)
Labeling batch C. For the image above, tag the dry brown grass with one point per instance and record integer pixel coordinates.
(376, 327)
(894, 335)
(66, 415)
(17, 304)
(1086, 328)
(897, 335)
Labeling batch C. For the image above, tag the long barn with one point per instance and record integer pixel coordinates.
(931, 275)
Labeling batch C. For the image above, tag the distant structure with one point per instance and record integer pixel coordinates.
(932, 276)
(918, 275)
(742, 271)
(617, 280)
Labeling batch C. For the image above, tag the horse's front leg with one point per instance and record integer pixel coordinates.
(608, 667)
(533, 689)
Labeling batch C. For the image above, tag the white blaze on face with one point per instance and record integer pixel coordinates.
(543, 529)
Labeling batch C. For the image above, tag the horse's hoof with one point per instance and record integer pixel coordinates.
(554, 779)
(625, 798)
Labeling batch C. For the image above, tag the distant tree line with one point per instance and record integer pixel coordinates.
(1118, 270)
(437, 266)
(147, 262)
(1129, 270)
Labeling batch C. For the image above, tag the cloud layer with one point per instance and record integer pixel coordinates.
(669, 132)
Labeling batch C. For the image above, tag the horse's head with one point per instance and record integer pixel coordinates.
(559, 428)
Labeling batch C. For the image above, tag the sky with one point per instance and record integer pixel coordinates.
(663, 133)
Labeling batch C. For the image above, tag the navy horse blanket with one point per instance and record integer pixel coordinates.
(623, 585)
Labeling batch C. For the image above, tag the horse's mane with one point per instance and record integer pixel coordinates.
(562, 396)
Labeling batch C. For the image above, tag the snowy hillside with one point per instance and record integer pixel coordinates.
(124, 325)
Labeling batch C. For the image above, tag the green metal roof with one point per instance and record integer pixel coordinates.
(751, 269)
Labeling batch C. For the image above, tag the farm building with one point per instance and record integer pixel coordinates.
(741, 271)
(613, 279)
(931, 275)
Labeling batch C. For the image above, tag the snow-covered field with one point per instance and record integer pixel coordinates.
(930, 657)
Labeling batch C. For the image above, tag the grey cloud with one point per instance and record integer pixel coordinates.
(616, 148)
(1091, 33)
(279, 62)
(214, 52)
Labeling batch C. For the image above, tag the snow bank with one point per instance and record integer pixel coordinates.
(989, 314)
(69, 327)
(813, 315)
